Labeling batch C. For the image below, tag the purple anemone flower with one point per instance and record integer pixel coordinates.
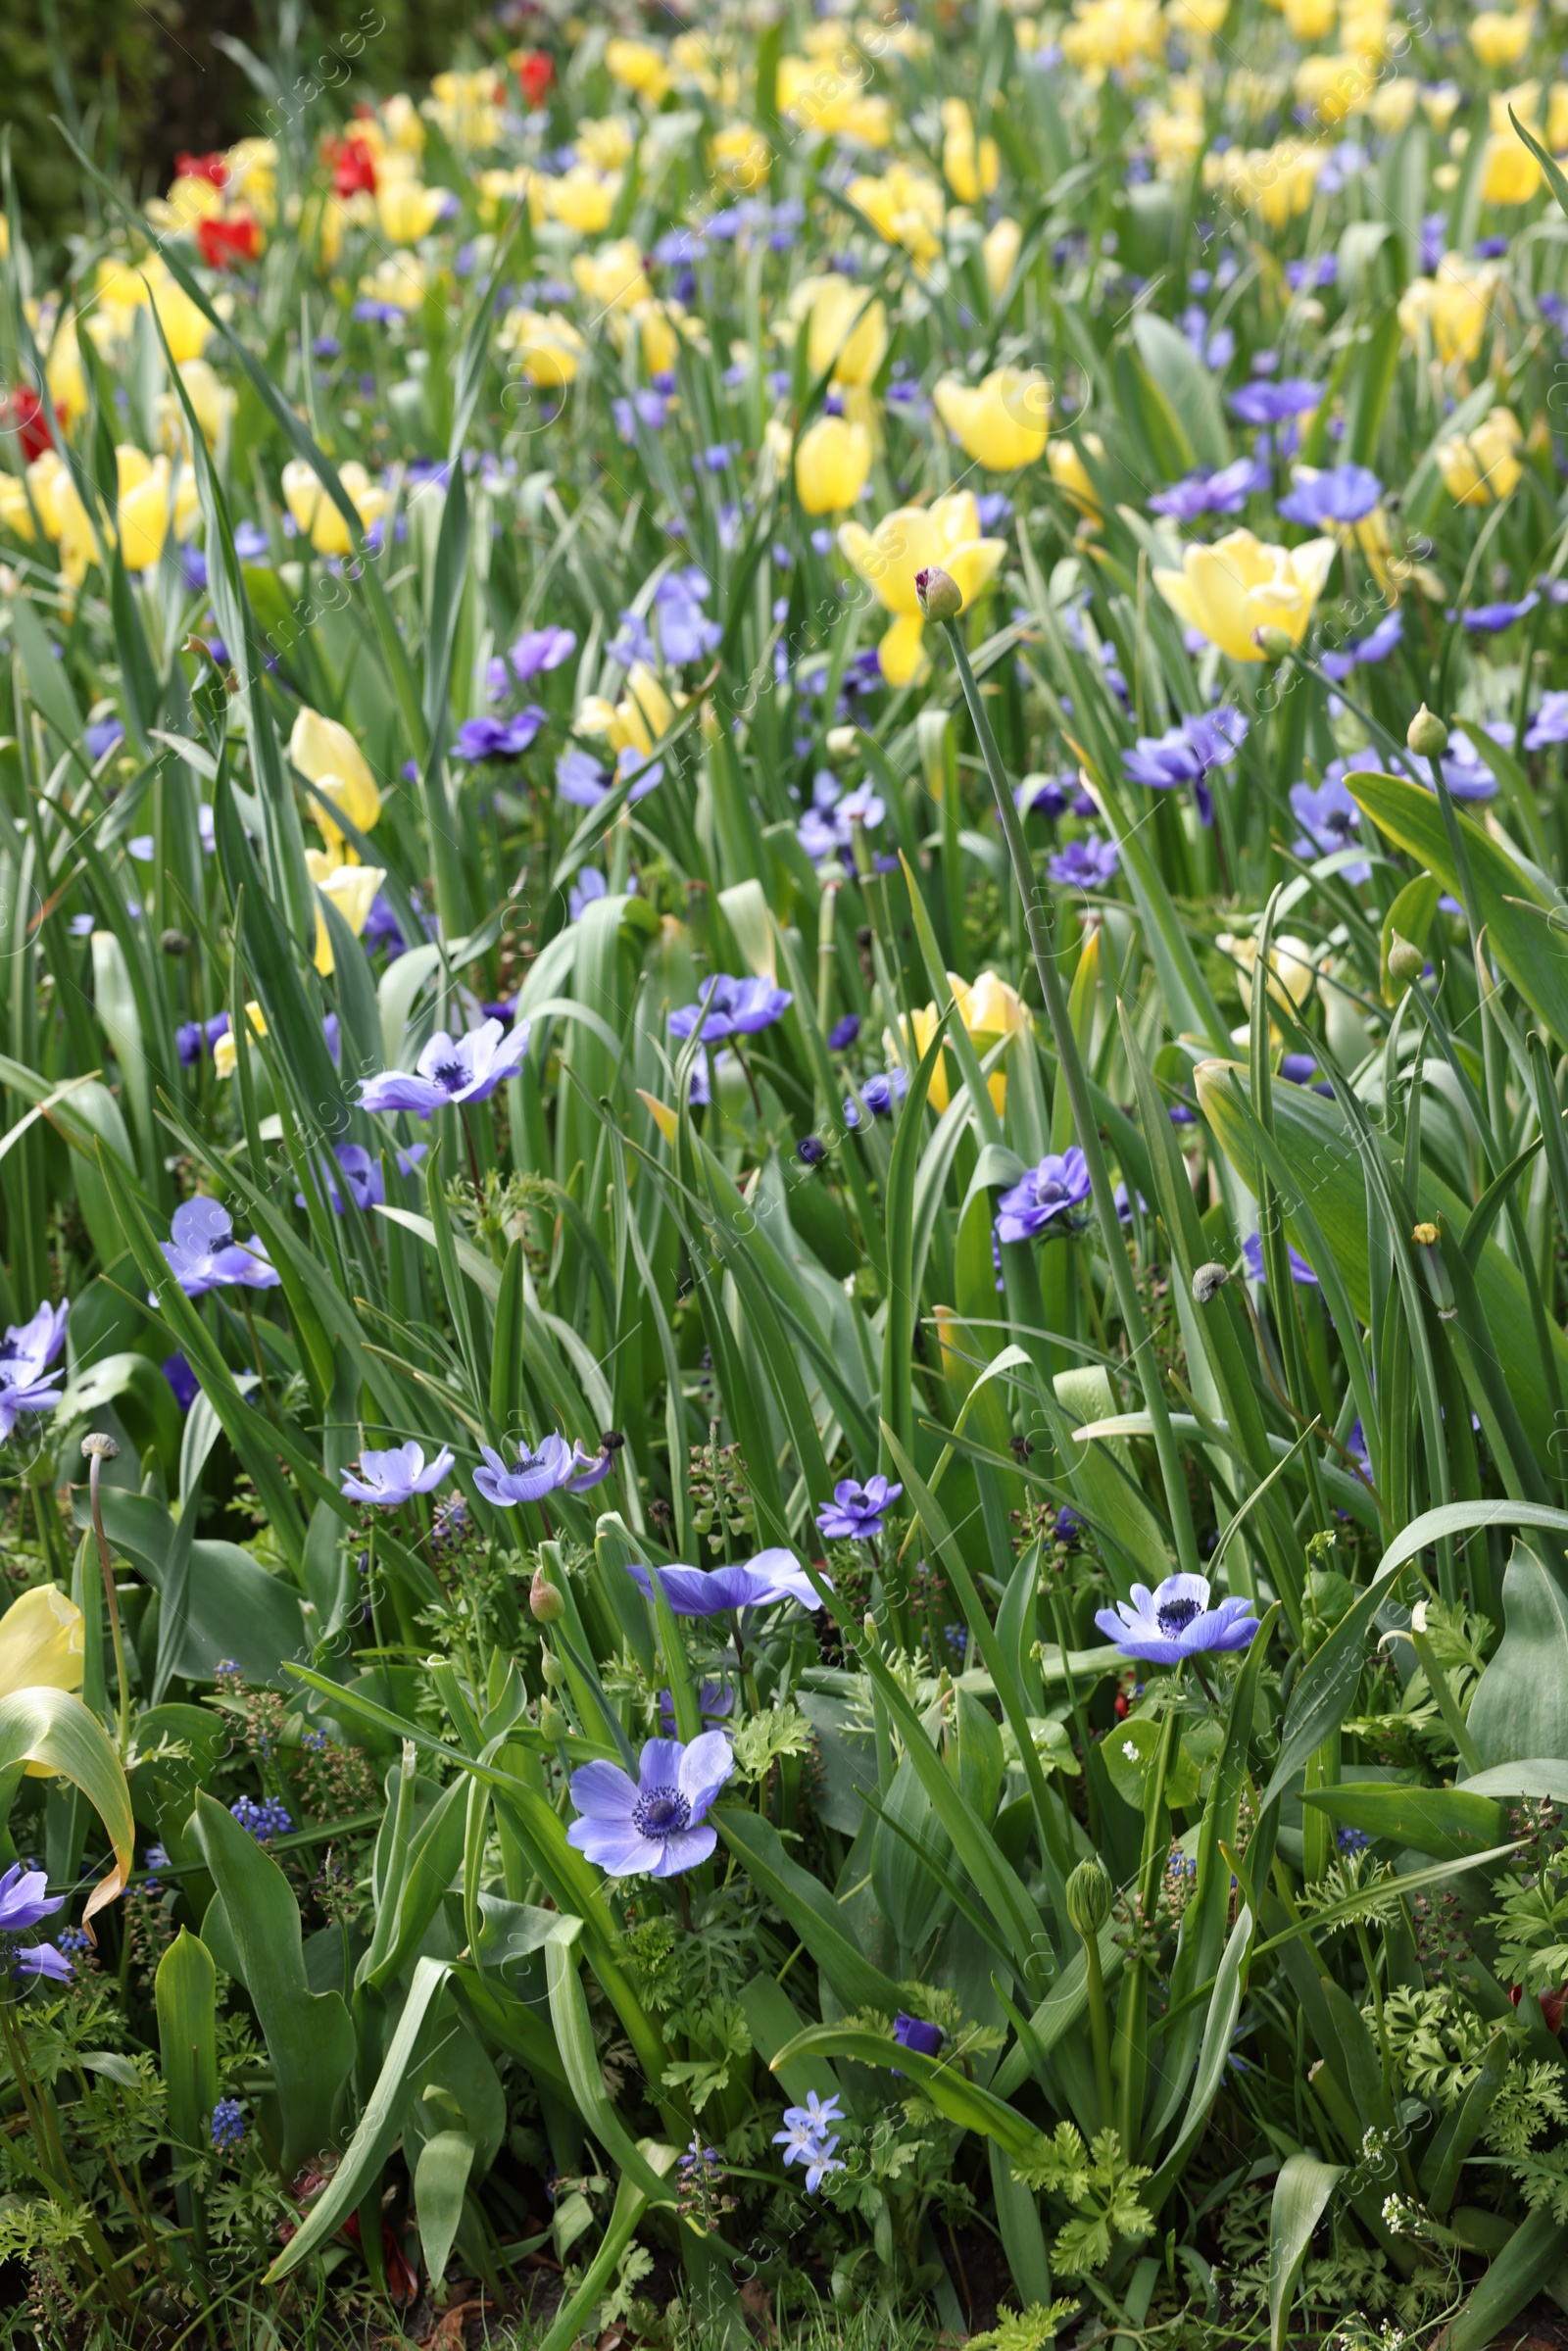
(181, 1379)
(1263, 402)
(1086, 864)
(1047, 1193)
(1549, 724)
(856, 1512)
(841, 1035)
(1203, 493)
(915, 2033)
(541, 649)
(1362, 652)
(1301, 1272)
(579, 778)
(1344, 494)
(25, 1902)
(685, 632)
(1491, 619)
(1186, 753)
(499, 738)
(770, 1577)
(654, 1825)
(879, 1093)
(360, 1174)
(1176, 1621)
(730, 1007)
(204, 1254)
(390, 1478)
(462, 1069)
(1329, 819)
(529, 1478)
(715, 1703)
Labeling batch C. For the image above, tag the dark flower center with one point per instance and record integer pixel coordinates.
(451, 1076)
(1176, 1615)
(659, 1812)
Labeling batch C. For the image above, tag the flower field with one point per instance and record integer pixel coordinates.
(784, 1192)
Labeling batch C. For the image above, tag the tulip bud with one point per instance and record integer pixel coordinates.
(1274, 644)
(552, 1722)
(1427, 735)
(940, 595)
(99, 1448)
(545, 1602)
(549, 1666)
(1207, 1281)
(1406, 962)
(842, 742)
(1089, 1892)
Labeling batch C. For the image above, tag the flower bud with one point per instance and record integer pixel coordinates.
(869, 1630)
(1406, 962)
(99, 1448)
(550, 1667)
(545, 1602)
(842, 742)
(1207, 1281)
(1088, 1892)
(173, 942)
(940, 595)
(1274, 644)
(552, 1722)
(1424, 1234)
(1427, 735)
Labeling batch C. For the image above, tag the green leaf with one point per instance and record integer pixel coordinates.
(308, 2035)
(365, 2155)
(1301, 2196)
(1442, 1820)
(574, 2039)
(1514, 909)
(1520, 1706)
(440, 2182)
(951, 2092)
(185, 1995)
(813, 1915)
(1528, 2257)
(631, 2202)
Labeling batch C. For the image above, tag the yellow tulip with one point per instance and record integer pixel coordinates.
(613, 277)
(1393, 105)
(970, 167)
(1509, 173)
(224, 1051)
(607, 141)
(253, 177)
(911, 539)
(142, 512)
(988, 1010)
(829, 100)
(327, 756)
(1113, 35)
(15, 516)
(1001, 422)
(1311, 20)
(1071, 475)
(1241, 584)
(463, 107)
(406, 210)
(1557, 117)
(125, 287)
(1439, 102)
(41, 1647)
(211, 399)
(582, 198)
(1291, 967)
(904, 207)
(832, 462)
(398, 278)
(548, 347)
(1000, 250)
(740, 156)
(1455, 305)
(400, 118)
(63, 375)
(1498, 39)
(350, 889)
(313, 512)
(49, 480)
(1482, 468)
(638, 66)
(845, 331)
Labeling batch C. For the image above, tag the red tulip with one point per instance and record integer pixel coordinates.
(353, 166)
(24, 416)
(535, 74)
(225, 243)
(401, 2283)
(1553, 2004)
(202, 166)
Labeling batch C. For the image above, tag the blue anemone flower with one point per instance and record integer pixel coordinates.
(1176, 1621)
(655, 1824)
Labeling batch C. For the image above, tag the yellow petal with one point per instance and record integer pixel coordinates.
(40, 1643)
(901, 652)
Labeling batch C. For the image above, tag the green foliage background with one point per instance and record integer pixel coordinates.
(148, 80)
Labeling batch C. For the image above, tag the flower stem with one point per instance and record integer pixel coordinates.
(107, 1566)
(1100, 2032)
(1036, 920)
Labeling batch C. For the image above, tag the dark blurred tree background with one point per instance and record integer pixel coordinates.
(147, 78)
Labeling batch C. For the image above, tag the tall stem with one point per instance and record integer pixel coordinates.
(99, 1449)
(1083, 1113)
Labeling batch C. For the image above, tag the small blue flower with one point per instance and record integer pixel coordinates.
(1344, 494)
(263, 1821)
(807, 2138)
(1266, 402)
(1301, 1272)
(1352, 1841)
(462, 1069)
(1087, 864)
(730, 1007)
(841, 1035)
(1176, 1621)
(913, 2032)
(228, 2125)
(1330, 820)
(202, 1254)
